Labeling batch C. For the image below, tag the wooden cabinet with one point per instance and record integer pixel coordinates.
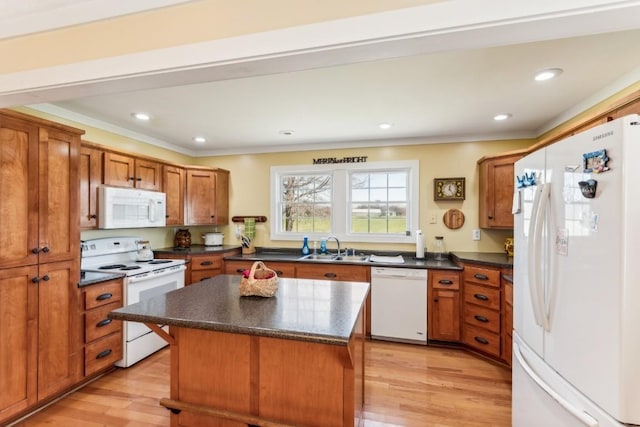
(496, 191)
(125, 171)
(102, 336)
(507, 320)
(282, 269)
(481, 309)
(205, 266)
(90, 171)
(173, 186)
(206, 196)
(40, 337)
(443, 306)
(328, 271)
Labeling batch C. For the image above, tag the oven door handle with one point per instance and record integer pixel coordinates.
(155, 274)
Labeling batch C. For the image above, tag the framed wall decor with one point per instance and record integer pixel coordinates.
(448, 189)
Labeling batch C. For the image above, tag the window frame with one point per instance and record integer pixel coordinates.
(341, 200)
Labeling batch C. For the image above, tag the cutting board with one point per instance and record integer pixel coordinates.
(453, 219)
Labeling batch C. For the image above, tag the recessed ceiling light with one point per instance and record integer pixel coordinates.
(385, 125)
(141, 116)
(501, 116)
(287, 132)
(547, 74)
(199, 139)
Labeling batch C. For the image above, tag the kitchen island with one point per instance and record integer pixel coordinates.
(294, 359)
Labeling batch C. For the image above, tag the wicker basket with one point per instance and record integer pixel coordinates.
(257, 284)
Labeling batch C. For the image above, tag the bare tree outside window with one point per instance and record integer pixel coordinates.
(306, 203)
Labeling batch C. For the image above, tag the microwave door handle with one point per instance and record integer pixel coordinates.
(152, 211)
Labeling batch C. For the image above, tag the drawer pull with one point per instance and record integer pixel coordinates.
(104, 296)
(480, 276)
(481, 340)
(240, 270)
(481, 318)
(445, 282)
(206, 263)
(103, 322)
(279, 273)
(481, 297)
(330, 275)
(104, 353)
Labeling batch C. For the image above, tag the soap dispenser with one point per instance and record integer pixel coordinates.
(305, 246)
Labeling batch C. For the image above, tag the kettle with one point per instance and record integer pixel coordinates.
(144, 251)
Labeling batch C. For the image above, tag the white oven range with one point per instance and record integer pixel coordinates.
(143, 279)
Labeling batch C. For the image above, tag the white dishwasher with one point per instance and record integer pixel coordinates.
(399, 304)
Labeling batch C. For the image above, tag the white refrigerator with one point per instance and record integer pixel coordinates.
(576, 347)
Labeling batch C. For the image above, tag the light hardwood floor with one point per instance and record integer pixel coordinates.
(406, 385)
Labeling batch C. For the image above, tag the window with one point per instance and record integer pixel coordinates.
(358, 202)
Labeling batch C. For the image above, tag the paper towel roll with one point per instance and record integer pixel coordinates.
(419, 244)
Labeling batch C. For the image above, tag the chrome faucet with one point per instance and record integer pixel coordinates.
(337, 241)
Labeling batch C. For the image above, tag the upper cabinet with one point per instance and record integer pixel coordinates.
(496, 190)
(195, 195)
(90, 178)
(125, 171)
(173, 186)
(206, 196)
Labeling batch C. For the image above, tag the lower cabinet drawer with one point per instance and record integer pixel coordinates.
(481, 339)
(482, 295)
(482, 317)
(102, 353)
(200, 275)
(97, 325)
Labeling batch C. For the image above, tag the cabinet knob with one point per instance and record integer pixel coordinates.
(132, 178)
(35, 279)
(46, 278)
(45, 249)
(138, 179)
(35, 250)
(103, 353)
(481, 340)
(104, 296)
(481, 297)
(103, 322)
(435, 300)
(490, 217)
(94, 216)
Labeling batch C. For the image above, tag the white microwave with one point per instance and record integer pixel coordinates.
(131, 208)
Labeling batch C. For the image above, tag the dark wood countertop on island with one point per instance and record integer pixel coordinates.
(306, 310)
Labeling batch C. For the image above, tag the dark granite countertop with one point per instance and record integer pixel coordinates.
(93, 277)
(293, 255)
(492, 259)
(320, 311)
(196, 250)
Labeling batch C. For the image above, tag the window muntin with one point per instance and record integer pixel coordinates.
(379, 202)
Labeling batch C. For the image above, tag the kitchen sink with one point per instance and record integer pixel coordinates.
(335, 258)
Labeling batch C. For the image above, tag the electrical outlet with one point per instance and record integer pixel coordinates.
(433, 218)
(475, 234)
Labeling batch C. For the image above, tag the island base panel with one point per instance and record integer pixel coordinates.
(287, 381)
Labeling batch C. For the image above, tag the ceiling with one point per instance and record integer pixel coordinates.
(446, 95)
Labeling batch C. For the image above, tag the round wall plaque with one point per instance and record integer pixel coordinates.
(453, 219)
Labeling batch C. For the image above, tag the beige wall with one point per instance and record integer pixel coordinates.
(250, 192)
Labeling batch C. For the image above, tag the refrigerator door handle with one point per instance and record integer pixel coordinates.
(582, 416)
(542, 209)
(534, 248)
